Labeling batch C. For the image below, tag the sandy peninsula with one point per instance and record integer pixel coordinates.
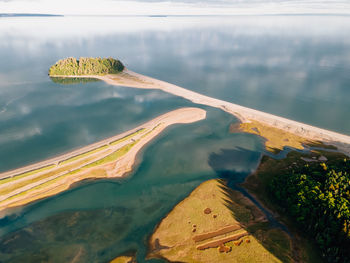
(309, 133)
(112, 157)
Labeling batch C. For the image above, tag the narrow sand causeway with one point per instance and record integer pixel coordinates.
(309, 133)
(112, 157)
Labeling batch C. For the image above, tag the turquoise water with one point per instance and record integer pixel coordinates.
(46, 119)
(109, 217)
(275, 64)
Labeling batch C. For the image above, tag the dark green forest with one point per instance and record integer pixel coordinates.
(317, 196)
(86, 66)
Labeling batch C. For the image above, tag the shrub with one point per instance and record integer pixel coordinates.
(86, 66)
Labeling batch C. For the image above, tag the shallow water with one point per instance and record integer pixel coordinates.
(274, 64)
(127, 210)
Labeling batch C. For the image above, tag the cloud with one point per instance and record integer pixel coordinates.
(175, 7)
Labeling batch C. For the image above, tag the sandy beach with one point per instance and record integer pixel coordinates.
(92, 161)
(129, 78)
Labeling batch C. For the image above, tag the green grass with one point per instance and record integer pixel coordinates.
(113, 156)
(231, 208)
(38, 178)
(152, 130)
(109, 158)
(123, 150)
(77, 157)
(80, 156)
(43, 185)
(142, 130)
(10, 179)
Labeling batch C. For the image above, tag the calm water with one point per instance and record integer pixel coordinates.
(275, 64)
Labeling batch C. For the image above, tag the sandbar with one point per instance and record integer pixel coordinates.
(310, 133)
(112, 157)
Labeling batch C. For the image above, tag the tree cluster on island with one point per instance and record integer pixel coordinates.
(317, 196)
(86, 66)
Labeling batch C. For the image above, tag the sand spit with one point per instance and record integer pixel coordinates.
(112, 157)
(131, 79)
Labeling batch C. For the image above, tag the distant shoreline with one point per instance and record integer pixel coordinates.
(310, 133)
(28, 15)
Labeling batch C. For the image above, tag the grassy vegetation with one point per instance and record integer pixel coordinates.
(86, 66)
(44, 185)
(155, 127)
(123, 150)
(276, 139)
(142, 130)
(23, 183)
(96, 173)
(174, 237)
(14, 178)
(77, 157)
(113, 156)
(109, 158)
(123, 259)
(70, 169)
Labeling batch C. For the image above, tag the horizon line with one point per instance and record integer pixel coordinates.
(168, 15)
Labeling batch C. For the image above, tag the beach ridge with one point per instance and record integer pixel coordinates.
(132, 79)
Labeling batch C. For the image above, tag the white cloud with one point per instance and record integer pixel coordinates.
(182, 7)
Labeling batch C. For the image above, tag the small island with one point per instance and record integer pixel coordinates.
(86, 66)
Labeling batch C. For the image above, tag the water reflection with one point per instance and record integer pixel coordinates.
(172, 166)
(271, 63)
(274, 64)
(49, 119)
(69, 81)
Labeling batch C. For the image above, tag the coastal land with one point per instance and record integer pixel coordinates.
(307, 133)
(192, 233)
(307, 192)
(214, 223)
(124, 259)
(112, 157)
(217, 224)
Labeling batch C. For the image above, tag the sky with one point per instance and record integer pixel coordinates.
(175, 7)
